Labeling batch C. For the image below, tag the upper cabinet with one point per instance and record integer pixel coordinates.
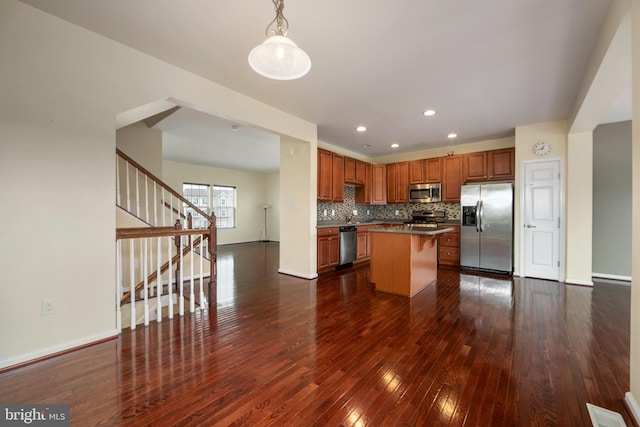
(398, 182)
(432, 170)
(354, 171)
(416, 172)
(330, 176)
(502, 164)
(489, 165)
(424, 171)
(451, 178)
(378, 184)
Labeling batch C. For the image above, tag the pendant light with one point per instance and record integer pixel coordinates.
(278, 57)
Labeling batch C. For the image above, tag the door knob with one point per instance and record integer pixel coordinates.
(531, 226)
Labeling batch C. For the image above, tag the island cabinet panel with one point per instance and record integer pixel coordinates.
(328, 247)
(449, 247)
(417, 172)
(474, 166)
(398, 182)
(502, 164)
(363, 242)
(451, 178)
(403, 264)
(432, 170)
(378, 184)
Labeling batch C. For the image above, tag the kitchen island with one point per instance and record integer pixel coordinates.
(404, 260)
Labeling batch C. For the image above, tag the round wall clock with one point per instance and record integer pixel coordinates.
(542, 148)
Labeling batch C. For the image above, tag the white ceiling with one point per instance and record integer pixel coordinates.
(486, 67)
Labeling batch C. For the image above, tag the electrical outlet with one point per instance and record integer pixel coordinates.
(367, 212)
(397, 212)
(355, 212)
(325, 213)
(333, 212)
(48, 306)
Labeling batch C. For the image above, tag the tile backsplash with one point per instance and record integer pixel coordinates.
(342, 211)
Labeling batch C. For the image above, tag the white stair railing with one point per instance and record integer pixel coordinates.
(138, 290)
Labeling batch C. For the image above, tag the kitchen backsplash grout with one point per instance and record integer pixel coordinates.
(345, 210)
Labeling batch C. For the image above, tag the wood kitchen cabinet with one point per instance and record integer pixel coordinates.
(328, 247)
(354, 171)
(474, 166)
(330, 176)
(416, 172)
(364, 192)
(489, 165)
(378, 184)
(363, 245)
(501, 164)
(424, 171)
(398, 182)
(449, 247)
(451, 178)
(432, 171)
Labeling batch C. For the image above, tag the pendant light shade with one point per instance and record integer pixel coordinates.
(278, 57)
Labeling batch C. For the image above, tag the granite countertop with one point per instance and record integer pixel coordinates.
(342, 223)
(411, 230)
(363, 222)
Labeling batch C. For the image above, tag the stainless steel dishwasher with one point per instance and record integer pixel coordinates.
(348, 239)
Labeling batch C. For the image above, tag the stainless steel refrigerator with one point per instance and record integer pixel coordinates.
(486, 231)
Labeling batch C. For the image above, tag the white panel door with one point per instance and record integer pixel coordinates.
(542, 220)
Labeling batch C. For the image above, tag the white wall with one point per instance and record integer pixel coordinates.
(143, 145)
(62, 89)
(251, 191)
(298, 196)
(579, 212)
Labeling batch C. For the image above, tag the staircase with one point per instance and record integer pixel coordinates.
(162, 266)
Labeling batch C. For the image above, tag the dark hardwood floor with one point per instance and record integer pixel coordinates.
(472, 350)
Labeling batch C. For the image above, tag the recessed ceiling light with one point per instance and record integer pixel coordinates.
(452, 135)
(361, 128)
(429, 113)
(395, 145)
(366, 145)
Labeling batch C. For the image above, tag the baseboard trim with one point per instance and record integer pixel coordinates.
(47, 353)
(579, 282)
(611, 277)
(632, 408)
(297, 274)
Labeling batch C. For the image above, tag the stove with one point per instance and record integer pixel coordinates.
(426, 219)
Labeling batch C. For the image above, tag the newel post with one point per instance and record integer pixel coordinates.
(213, 244)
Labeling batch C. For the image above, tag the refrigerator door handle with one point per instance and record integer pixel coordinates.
(480, 215)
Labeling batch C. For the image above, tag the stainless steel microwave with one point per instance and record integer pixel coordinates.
(424, 193)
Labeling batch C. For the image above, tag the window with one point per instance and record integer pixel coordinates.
(224, 206)
(198, 194)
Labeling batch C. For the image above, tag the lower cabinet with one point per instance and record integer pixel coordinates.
(328, 247)
(449, 247)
